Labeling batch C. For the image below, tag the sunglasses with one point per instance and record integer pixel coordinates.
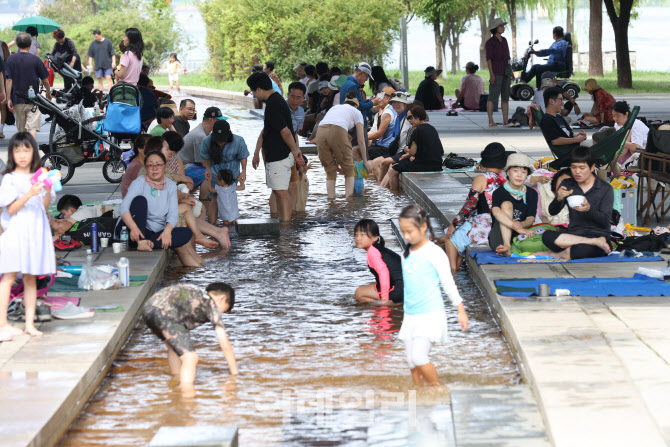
(398, 95)
(410, 117)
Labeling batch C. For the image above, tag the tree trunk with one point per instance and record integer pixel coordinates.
(596, 38)
(486, 32)
(570, 21)
(620, 26)
(439, 45)
(511, 8)
(95, 8)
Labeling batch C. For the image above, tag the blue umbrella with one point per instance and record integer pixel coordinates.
(43, 24)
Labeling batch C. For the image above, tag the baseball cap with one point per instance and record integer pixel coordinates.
(214, 112)
(548, 75)
(221, 132)
(323, 84)
(365, 68)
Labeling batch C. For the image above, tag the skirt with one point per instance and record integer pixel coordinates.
(431, 325)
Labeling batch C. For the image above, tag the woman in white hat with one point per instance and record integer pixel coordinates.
(513, 206)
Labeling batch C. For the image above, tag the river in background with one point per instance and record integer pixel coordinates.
(643, 36)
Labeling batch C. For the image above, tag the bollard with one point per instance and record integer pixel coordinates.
(196, 436)
(257, 227)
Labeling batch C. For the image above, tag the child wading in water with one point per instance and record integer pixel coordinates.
(173, 67)
(226, 197)
(26, 245)
(175, 310)
(424, 267)
(384, 264)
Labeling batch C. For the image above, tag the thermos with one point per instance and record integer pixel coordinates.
(94, 238)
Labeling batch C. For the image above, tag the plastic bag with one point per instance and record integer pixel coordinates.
(94, 278)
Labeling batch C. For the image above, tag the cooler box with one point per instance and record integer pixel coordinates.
(628, 205)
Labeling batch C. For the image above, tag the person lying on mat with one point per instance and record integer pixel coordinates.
(590, 202)
(513, 207)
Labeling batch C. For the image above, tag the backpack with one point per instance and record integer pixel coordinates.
(453, 161)
(520, 116)
(397, 85)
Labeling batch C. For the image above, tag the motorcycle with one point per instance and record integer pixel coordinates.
(521, 91)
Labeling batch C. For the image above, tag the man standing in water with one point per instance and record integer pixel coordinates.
(277, 139)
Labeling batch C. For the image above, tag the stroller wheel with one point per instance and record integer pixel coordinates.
(60, 162)
(113, 170)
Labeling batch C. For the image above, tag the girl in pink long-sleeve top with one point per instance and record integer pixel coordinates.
(384, 264)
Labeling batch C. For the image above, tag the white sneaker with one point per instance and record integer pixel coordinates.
(71, 312)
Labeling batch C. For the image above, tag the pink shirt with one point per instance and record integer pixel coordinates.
(474, 87)
(376, 262)
(134, 66)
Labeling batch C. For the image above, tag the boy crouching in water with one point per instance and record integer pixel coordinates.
(175, 310)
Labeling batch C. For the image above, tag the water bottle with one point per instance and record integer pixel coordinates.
(124, 238)
(124, 272)
(450, 103)
(89, 257)
(31, 92)
(96, 110)
(94, 237)
(90, 69)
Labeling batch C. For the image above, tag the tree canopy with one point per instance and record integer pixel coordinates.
(241, 33)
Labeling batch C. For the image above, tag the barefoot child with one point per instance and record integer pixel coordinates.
(424, 267)
(360, 171)
(173, 67)
(513, 207)
(26, 245)
(175, 310)
(302, 186)
(226, 196)
(384, 264)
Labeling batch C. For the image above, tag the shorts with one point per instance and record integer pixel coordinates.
(103, 72)
(500, 88)
(496, 239)
(196, 173)
(378, 151)
(395, 294)
(461, 238)
(579, 251)
(26, 118)
(278, 173)
(335, 149)
(359, 186)
(174, 333)
(412, 166)
(173, 77)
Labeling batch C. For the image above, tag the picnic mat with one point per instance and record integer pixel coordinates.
(638, 285)
(63, 284)
(491, 257)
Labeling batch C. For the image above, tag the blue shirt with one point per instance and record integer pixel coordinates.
(389, 135)
(161, 204)
(350, 85)
(556, 52)
(398, 122)
(232, 153)
(298, 117)
(275, 87)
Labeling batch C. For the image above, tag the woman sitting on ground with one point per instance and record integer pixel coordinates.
(136, 163)
(424, 151)
(472, 87)
(637, 138)
(513, 206)
(603, 104)
(149, 211)
(472, 224)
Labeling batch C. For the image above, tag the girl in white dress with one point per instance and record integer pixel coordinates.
(26, 246)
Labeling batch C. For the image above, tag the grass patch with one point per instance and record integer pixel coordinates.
(643, 81)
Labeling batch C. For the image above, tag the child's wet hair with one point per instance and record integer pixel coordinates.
(68, 201)
(221, 288)
(370, 228)
(226, 176)
(418, 216)
(22, 139)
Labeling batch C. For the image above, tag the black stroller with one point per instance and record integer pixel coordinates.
(74, 94)
(74, 141)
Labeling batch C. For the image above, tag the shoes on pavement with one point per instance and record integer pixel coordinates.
(72, 312)
(60, 245)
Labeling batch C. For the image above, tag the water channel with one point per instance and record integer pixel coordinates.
(312, 362)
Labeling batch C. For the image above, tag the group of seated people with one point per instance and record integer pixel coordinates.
(503, 203)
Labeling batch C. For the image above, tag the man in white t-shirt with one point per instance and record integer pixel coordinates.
(334, 143)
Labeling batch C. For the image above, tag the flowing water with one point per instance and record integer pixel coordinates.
(312, 362)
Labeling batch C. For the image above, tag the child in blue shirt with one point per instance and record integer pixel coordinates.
(424, 267)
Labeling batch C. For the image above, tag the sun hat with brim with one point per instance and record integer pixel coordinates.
(496, 23)
(333, 83)
(494, 156)
(592, 84)
(399, 97)
(299, 69)
(323, 84)
(221, 131)
(519, 160)
(431, 71)
(341, 80)
(388, 91)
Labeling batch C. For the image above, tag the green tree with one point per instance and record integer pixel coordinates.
(243, 32)
(620, 14)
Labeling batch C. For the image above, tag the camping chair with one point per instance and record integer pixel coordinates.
(605, 151)
(654, 164)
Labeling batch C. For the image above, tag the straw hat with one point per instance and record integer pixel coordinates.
(592, 84)
(520, 160)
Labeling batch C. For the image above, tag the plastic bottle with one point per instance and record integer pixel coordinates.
(124, 238)
(89, 257)
(31, 92)
(450, 103)
(90, 69)
(124, 272)
(96, 110)
(94, 237)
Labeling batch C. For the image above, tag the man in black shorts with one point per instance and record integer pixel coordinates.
(588, 234)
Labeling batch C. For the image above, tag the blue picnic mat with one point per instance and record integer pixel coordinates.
(491, 257)
(638, 285)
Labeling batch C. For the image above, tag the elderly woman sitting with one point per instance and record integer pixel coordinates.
(149, 211)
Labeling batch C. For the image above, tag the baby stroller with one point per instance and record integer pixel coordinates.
(58, 65)
(75, 140)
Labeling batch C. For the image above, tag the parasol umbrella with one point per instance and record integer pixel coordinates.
(43, 24)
